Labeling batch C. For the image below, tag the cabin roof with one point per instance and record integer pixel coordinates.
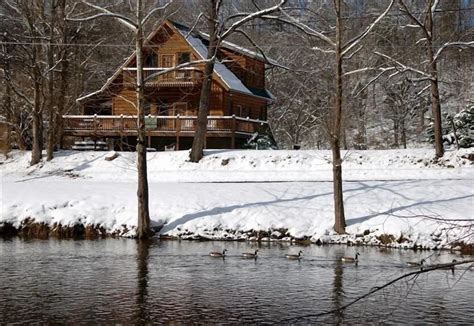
(227, 76)
(229, 45)
(195, 40)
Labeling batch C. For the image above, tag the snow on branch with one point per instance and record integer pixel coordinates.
(260, 50)
(461, 45)
(316, 48)
(181, 66)
(403, 8)
(404, 67)
(306, 29)
(359, 70)
(433, 7)
(356, 40)
(250, 17)
(373, 80)
(106, 13)
(155, 10)
(423, 90)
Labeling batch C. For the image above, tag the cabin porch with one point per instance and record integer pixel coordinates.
(171, 132)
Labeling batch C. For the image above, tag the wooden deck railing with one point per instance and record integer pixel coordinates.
(180, 77)
(115, 125)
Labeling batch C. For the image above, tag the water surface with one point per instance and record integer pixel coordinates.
(124, 281)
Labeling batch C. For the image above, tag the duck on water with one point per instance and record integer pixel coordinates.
(250, 254)
(416, 263)
(218, 254)
(354, 259)
(294, 257)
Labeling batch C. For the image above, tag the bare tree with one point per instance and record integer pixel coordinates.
(221, 27)
(340, 49)
(427, 24)
(30, 36)
(136, 25)
(403, 103)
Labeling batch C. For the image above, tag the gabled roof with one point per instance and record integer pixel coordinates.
(230, 46)
(232, 82)
(195, 41)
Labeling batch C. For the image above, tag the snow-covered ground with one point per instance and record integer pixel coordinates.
(250, 194)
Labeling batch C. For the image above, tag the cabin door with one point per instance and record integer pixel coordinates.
(167, 61)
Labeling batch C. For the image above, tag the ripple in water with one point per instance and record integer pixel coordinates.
(123, 281)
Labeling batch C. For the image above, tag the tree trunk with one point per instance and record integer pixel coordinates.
(395, 133)
(403, 133)
(143, 225)
(205, 100)
(64, 74)
(7, 99)
(50, 103)
(37, 141)
(63, 90)
(204, 103)
(340, 220)
(435, 101)
(436, 111)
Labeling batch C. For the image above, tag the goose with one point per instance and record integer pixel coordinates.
(416, 263)
(451, 268)
(350, 259)
(298, 256)
(218, 254)
(250, 255)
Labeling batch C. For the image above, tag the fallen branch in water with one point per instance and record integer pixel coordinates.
(375, 289)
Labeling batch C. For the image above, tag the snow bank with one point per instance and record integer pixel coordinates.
(252, 194)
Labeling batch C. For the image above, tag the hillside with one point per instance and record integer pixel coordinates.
(287, 195)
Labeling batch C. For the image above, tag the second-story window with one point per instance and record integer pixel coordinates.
(184, 57)
(151, 60)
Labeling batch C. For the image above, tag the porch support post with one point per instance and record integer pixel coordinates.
(233, 132)
(95, 131)
(121, 132)
(178, 130)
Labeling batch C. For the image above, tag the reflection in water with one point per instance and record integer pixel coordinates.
(338, 291)
(143, 248)
(128, 282)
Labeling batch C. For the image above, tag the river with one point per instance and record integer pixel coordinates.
(124, 281)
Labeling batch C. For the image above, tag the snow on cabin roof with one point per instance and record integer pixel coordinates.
(227, 76)
(230, 46)
(221, 70)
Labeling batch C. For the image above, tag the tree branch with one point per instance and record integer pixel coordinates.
(379, 288)
(155, 10)
(461, 45)
(356, 40)
(404, 67)
(106, 13)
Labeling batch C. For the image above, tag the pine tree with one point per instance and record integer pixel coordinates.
(463, 123)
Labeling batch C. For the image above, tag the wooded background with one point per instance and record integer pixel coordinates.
(47, 61)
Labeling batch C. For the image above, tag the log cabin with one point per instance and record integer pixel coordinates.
(239, 99)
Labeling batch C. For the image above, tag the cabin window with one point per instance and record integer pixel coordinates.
(167, 60)
(238, 110)
(151, 60)
(147, 108)
(251, 73)
(262, 113)
(184, 57)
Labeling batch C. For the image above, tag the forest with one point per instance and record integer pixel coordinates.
(48, 60)
(346, 74)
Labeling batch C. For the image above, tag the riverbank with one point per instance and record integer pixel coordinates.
(400, 198)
